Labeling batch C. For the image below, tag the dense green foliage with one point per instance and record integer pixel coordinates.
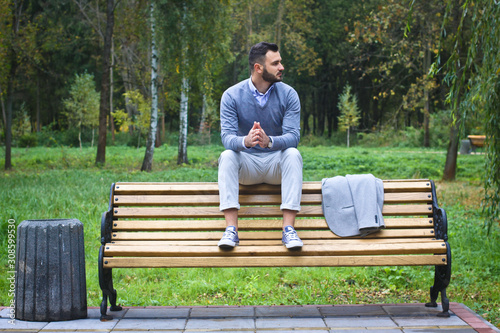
(325, 45)
(475, 85)
(63, 182)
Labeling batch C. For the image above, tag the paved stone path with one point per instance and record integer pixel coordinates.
(387, 318)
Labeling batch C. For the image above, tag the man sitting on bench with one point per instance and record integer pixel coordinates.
(260, 129)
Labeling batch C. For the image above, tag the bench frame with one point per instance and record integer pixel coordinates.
(442, 274)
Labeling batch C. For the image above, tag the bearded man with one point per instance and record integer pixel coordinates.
(260, 129)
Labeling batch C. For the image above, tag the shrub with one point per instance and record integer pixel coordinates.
(28, 140)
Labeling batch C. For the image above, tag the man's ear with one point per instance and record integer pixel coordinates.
(258, 68)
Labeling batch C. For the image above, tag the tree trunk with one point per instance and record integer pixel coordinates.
(80, 137)
(8, 127)
(427, 111)
(279, 20)
(4, 114)
(111, 89)
(183, 114)
(38, 124)
(183, 126)
(128, 82)
(203, 114)
(450, 166)
(105, 90)
(147, 164)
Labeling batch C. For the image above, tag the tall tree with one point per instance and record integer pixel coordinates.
(147, 164)
(182, 157)
(475, 84)
(83, 104)
(104, 108)
(398, 61)
(195, 44)
(456, 76)
(349, 111)
(17, 49)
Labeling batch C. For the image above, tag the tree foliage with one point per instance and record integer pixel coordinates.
(82, 107)
(473, 76)
(325, 44)
(349, 111)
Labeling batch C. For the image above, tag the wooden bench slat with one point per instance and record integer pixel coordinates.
(307, 250)
(274, 242)
(243, 235)
(212, 188)
(217, 225)
(259, 211)
(291, 261)
(257, 199)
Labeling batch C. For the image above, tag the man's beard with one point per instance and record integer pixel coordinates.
(268, 77)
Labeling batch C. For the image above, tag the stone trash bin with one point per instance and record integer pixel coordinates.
(50, 271)
(465, 147)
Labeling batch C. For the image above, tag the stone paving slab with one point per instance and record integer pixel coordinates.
(211, 312)
(343, 311)
(287, 311)
(150, 324)
(389, 318)
(158, 313)
(380, 323)
(211, 324)
(312, 323)
(91, 324)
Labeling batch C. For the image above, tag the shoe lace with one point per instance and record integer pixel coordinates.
(292, 235)
(229, 234)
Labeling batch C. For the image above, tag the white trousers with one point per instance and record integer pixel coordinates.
(278, 167)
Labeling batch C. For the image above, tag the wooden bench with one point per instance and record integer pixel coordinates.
(476, 141)
(176, 225)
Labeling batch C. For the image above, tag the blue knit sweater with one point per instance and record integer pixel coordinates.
(279, 117)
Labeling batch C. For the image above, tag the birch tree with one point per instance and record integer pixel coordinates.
(147, 164)
(195, 37)
(182, 157)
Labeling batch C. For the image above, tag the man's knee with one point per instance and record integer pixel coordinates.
(229, 157)
(293, 156)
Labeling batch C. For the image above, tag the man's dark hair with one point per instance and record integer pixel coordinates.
(258, 53)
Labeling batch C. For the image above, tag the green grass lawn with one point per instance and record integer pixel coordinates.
(64, 183)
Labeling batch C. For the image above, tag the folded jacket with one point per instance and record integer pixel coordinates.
(352, 205)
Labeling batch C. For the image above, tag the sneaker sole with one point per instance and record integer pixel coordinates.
(293, 245)
(228, 245)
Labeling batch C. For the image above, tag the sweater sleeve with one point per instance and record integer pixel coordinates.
(291, 124)
(229, 123)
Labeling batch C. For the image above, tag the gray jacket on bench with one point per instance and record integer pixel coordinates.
(352, 205)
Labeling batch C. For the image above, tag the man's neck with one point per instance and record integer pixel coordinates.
(261, 85)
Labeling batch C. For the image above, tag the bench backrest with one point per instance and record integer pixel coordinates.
(179, 211)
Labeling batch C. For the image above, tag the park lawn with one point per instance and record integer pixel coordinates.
(63, 182)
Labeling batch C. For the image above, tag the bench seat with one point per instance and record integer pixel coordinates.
(178, 225)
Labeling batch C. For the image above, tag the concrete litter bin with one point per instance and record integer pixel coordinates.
(50, 271)
(465, 147)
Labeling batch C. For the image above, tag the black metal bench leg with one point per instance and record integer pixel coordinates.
(441, 281)
(106, 284)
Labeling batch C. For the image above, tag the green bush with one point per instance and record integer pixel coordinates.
(440, 128)
(28, 140)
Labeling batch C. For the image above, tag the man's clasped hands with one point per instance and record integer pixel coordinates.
(257, 136)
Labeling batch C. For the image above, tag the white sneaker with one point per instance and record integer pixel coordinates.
(229, 239)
